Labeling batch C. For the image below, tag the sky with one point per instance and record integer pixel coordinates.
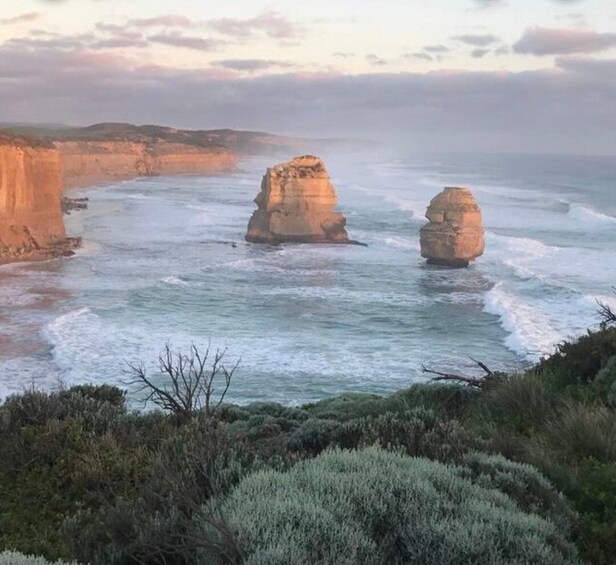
(477, 75)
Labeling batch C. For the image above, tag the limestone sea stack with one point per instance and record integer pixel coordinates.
(31, 223)
(296, 204)
(454, 235)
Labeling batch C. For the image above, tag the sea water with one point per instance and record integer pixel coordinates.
(164, 261)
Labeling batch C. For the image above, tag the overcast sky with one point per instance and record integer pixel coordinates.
(507, 75)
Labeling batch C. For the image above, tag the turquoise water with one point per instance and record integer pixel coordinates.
(164, 260)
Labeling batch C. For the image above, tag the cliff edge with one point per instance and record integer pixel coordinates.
(31, 223)
(87, 162)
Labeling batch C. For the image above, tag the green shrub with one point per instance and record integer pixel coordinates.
(447, 400)
(14, 558)
(523, 483)
(375, 507)
(605, 381)
(520, 402)
(416, 432)
(313, 436)
(578, 362)
(582, 431)
(346, 407)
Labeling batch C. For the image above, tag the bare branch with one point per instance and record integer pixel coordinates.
(608, 316)
(472, 381)
(483, 366)
(188, 385)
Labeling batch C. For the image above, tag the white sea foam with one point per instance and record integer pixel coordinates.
(174, 281)
(402, 243)
(415, 207)
(531, 334)
(586, 215)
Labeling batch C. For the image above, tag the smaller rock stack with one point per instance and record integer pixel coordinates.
(454, 235)
(296, 204)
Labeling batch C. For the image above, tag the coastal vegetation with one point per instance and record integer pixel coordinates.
(520, 469)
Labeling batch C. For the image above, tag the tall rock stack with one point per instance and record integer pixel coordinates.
(296, 204)
(31, 223)
(454, 235)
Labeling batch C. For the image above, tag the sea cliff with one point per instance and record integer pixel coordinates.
(91, 162)
(31, 224)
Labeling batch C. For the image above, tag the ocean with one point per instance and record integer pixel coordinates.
(164, 261)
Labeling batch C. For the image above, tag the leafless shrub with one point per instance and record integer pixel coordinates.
(607, 315)
(194, 382)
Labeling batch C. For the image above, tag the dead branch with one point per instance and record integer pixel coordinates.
(607, 315)
(471, 381)
(188, 384)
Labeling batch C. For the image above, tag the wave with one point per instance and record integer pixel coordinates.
(531, 334)
(586, 214)
(415, 207)
(398, 242)
(340, 294)
(174, 281)
(518, 245)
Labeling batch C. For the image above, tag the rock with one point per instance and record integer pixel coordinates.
(71, 204)
(31, 223)
(296, 204)
(454, 236)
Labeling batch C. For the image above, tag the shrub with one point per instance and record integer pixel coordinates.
(14, 558)
(605, 382)
(523, 483)
(447, 400)
(313, 436)
(374, 507)
(346, 407)
(579, 361)
(417, 432)
(520, 402)
(582, 431)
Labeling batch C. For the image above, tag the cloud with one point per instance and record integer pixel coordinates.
(495, 3)
(479, 53)
(548, 41)
(50, 41)
(251, 65)
(29, 17)
(270, 23)
(419, 56)
(119, 42)
(170, 20)
(477, 40)
(375, 60)
(186, 41)
(568, 109)
(436, 49)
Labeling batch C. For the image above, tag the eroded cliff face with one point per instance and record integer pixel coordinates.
(31, 223)
(296, 204)
(91, 162)
(454, 236)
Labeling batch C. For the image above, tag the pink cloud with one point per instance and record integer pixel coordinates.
(29, 17)
(170, 20)
(549, 41)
